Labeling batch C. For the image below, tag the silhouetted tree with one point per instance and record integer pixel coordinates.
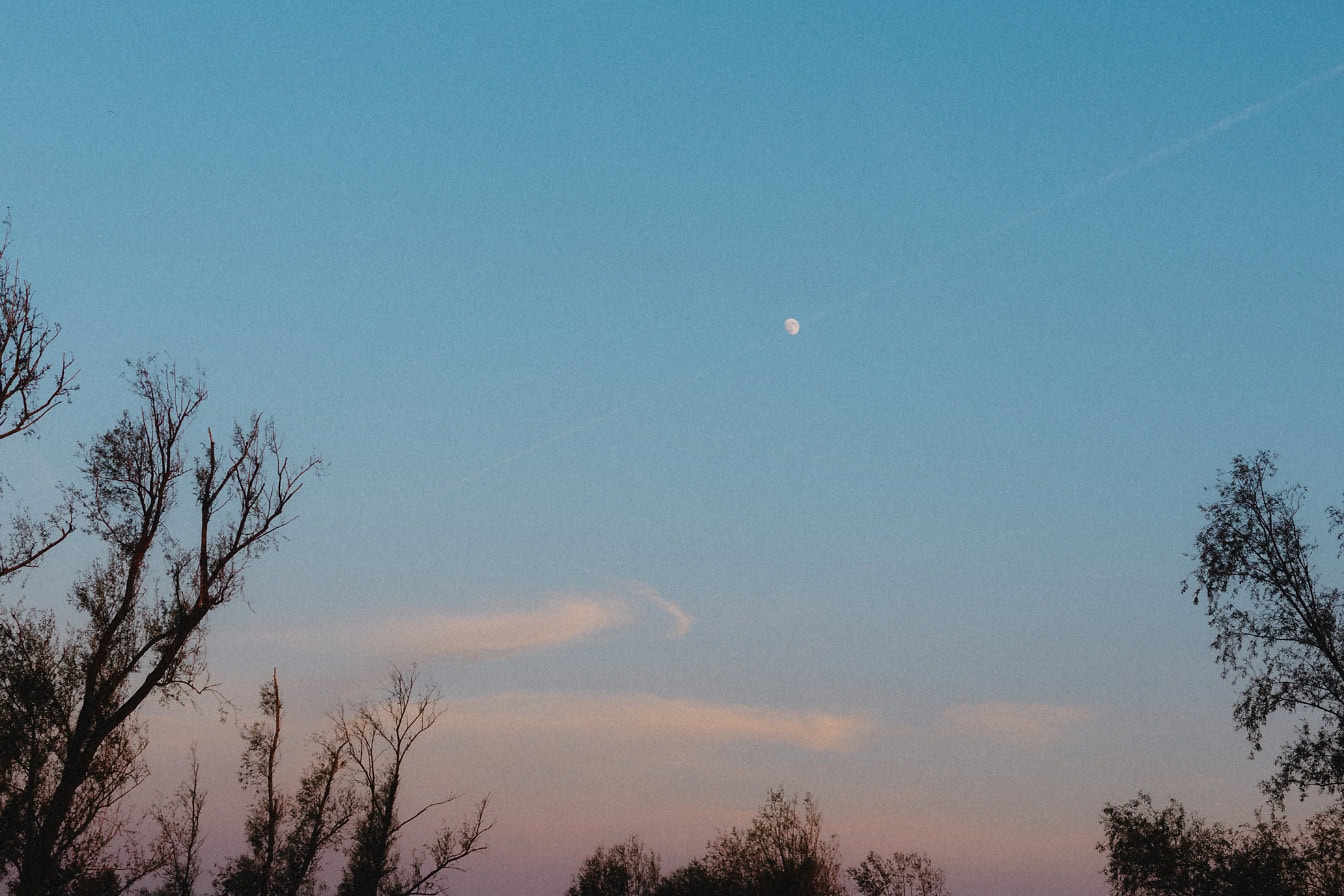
(1169, 852)
(625, 869)
(70, 742)
(900, 874)
(32, 383)
(1277, 627)
(379, 736)
(253, 873)
(180, 836)
(693, 879)
(783, 853)
(286, 835)
(1320, 851)
(320, 811)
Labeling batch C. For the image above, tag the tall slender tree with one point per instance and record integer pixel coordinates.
(287, 835)
(181, 837)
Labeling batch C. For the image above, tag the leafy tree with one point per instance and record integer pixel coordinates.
(626, 869)
(379, 736)
(1277, 627)
(1320, 850)
(900, 874)
(692, 879)
(70, 742)
(1169, 852)
(783, 853)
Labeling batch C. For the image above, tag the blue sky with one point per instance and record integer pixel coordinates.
(519, 273)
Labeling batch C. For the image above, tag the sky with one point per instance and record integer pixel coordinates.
(519, 274)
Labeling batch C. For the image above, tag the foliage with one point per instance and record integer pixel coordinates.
(1169, 852)
(783, 853)
(1277, 628)
(691, 879)
(900, 874)
(625, 869)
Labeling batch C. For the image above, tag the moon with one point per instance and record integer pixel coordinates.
(791, 327)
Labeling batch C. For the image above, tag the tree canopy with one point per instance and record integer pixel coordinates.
(1277, 626)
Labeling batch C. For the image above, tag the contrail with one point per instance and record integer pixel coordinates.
(1217, 127)
(1063, 200)
(1066, 199)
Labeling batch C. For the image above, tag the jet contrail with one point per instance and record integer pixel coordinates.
(1079, 192)
(1063, 200)
(1198, 137)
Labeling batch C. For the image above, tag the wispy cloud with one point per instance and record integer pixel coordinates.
(1017, 724)
(557, 620)
(647, 716)
(681, 620)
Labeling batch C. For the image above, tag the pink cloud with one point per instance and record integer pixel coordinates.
(1017, 724)
(647, 716)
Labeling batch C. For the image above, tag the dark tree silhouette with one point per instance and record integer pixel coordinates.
(783, 853)
(254, 872)
(1170, 852)
(1277, 627)
(287, 836)
(32, 384)
(625, 869)
(694, 879)
(379, 736)
(81, 755)
(180, 837)
(71, 741)
(900, 874)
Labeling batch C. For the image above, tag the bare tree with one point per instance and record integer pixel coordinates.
(180, 836)
(379, 736)
(141, 630)
(32, 384)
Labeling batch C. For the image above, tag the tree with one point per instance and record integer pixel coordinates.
(1277, 627)
(625, 869)
(180, 836)
(378, 737)
(286, 835)
(1169, 852)
(32, 384)
(71, 742)
(900, 874)
(254, 872)
(692, 879)
(783, 853)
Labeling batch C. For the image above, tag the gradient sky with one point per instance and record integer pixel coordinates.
(519, 274)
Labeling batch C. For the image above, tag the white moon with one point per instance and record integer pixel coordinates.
(791, 327)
